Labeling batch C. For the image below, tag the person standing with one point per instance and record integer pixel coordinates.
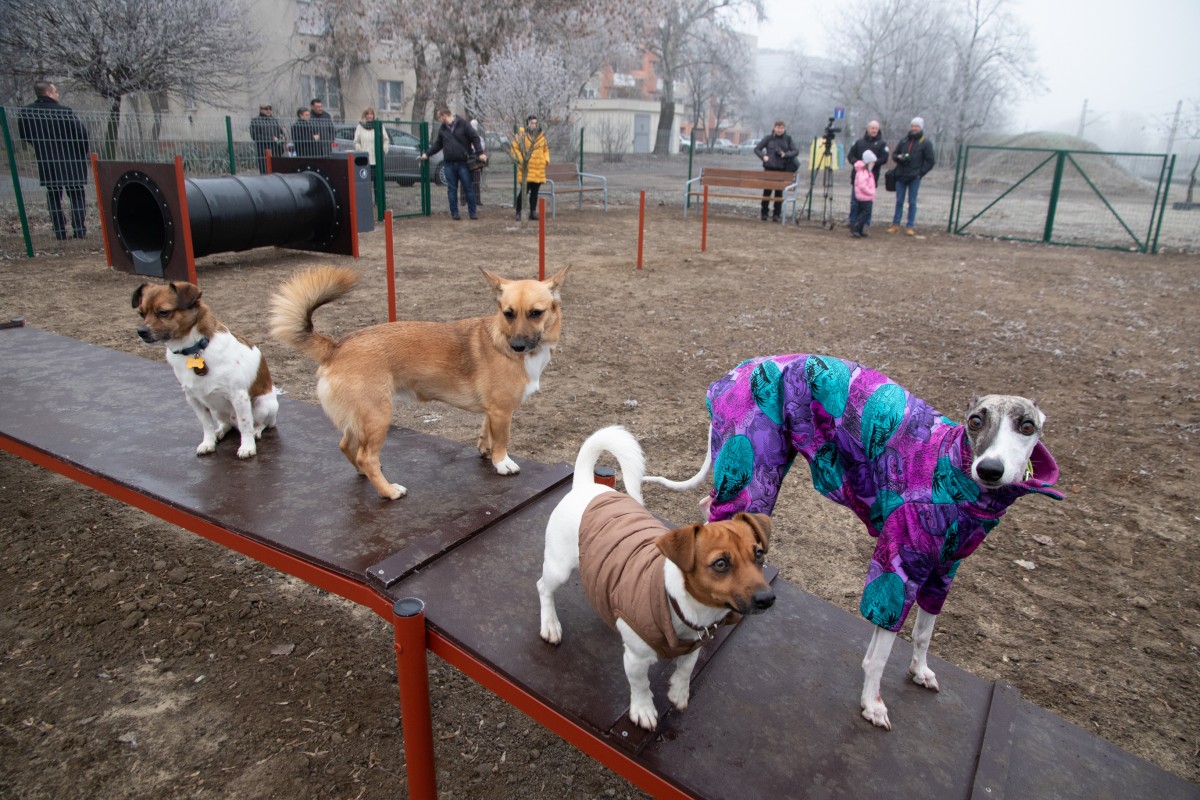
(864, 192)
(458, 142)
(872, 141)
(529, 146)
(777, 152)
(267, 135)
(364, 138)
(60, 144)
(322, 127)
(914, 158)
(303, 135)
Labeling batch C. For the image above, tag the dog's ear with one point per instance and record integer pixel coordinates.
(679, 545)
(188, 294)
(555, 281)
(136, 300)
(760, 524)
(495, 281)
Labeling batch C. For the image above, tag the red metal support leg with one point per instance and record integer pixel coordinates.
(412, 671)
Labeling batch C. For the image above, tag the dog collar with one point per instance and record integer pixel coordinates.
(195, 361)
(705, 632)
(196, 348)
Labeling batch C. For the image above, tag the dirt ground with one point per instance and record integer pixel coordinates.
(138, 660)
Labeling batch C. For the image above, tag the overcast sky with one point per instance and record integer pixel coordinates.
(1130, 61)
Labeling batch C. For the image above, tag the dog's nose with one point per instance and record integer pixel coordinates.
(762, 600)
(990, 469)
(521, 345)
(144, 332)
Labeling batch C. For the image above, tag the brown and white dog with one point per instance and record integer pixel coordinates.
(665, 591)
(484, 364)
(224, 378)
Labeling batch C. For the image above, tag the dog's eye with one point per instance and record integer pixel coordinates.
(759, 554)
(1027, 428)
(975, 422)
(535, 313)
(721, 565)
(509, 314)
(165, 313)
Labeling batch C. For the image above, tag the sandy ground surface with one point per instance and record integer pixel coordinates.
(138, 660)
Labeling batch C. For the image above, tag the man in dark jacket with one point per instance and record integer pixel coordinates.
(267, 134)
(60, 143)
(458, 142)
(777, 152)
(322, 126)
(872, 140)
(914, 158)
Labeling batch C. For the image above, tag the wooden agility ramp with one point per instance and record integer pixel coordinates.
(774, 711)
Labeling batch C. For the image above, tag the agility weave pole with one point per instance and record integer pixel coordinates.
(782, 689)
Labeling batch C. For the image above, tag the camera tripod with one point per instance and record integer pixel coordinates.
(824, 165)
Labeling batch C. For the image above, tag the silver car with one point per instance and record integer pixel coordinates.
(401, 162)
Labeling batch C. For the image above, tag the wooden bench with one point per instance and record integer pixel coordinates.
(738, 184)
(567, 179)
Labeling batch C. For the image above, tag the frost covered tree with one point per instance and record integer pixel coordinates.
(117, 48)
(525, 79)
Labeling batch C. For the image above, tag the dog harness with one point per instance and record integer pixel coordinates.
(621, 570)
(900, 466)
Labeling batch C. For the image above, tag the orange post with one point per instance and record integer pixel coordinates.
(185, 221)
(412, 671)
(104, 229)
(352, 202)
(541, 238)
(267, 153)
(704, 223)
(641, 224)
(391, 266)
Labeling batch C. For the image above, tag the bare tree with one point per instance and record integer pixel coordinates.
(116, 48)
(713, 80)
(674, 25)
(341, 35)
(524, 79)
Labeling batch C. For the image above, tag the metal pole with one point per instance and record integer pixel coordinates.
(229, 145)
(541, 238)
(16, 180)
(581, 154)
(1054, 189)
(412, 672)
(1163, 213)
(425, 178)
(641, 225)
(687, 198)
(391, 266)
(954, 187)
(377, 174)
(704, 223)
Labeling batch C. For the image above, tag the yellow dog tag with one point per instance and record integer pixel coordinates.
(195, 362)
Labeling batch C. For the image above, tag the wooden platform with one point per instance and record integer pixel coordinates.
(774, 710)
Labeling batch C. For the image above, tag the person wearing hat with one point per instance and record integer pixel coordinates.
(864, 193)
(871, 140)
(913, 156)
(267, 134)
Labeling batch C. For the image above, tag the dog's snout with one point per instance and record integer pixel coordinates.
(762, 600)
(990, 470)
(520, 345)
(144, 332)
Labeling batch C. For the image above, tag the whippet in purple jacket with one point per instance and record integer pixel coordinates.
(929, 489)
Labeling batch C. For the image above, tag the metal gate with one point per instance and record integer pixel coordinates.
(1085, 198)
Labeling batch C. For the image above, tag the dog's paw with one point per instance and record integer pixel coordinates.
(924, 677)
(395, 492)
(679, 693)
(247, 450)
(644, 715)
(875, 712)
(223, 429)
(506, 467)
(552, 631)
(207, 446)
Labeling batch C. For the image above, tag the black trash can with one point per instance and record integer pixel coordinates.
(364, 193)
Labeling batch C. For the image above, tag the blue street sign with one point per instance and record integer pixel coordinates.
(839, 112)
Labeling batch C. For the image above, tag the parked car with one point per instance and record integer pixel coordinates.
(401, 162)
(685, 143)
(725, 146)
(747, 147)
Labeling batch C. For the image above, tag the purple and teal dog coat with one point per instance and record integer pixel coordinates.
(899, 465)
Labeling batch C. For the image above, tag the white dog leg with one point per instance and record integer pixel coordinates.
(638, 658)
(873, 709)
(243, 412)
(547, 585)
(208, 444)
(922, 635)
(681, 680)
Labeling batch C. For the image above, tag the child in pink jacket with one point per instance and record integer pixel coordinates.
(864, 193)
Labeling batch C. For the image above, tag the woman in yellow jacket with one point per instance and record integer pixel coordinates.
(530, 143)
(364, 137)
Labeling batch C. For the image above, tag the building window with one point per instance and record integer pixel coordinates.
(391, 95)
(325, 89)
(310, 19)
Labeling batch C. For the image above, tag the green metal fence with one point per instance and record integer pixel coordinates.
(210, 145)
(1071, 197)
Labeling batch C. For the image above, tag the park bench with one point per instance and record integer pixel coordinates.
(452, 566)
(567, 179)
(736, 184)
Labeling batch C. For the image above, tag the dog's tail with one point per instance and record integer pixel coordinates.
(690, 483)
(622, 444)
(298, 297)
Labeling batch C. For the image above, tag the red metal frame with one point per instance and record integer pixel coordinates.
(542, 238)
(704, 223)
(185, 221)
(353, 203)
(391, 265)
(641, 224)
(100, 210)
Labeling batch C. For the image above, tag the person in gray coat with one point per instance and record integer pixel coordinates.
(60, 143)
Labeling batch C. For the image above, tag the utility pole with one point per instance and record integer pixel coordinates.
(1082, 120)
